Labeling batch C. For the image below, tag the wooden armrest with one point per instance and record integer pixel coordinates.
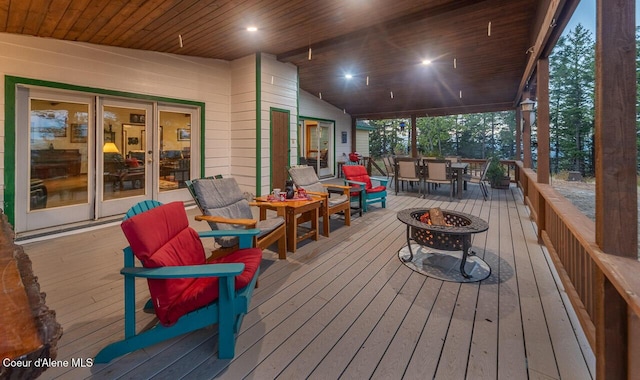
(187, 271)
(245, 237)
(319, 194)
(342, 187)
(219, 219)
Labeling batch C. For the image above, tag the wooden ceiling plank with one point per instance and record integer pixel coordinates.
(133, 27)
(187, 23)
(114, 10)
(71, 14)
(4, 14)
(229, 34)
(36, 16)
(18, 10)
(88, 16)
(54, 13)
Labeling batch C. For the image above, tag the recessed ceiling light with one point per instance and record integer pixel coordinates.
(348, 76)
(252, 29)
(426, 61)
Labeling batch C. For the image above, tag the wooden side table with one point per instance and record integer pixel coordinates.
(295, 212)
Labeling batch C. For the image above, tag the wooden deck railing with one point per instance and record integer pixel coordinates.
(586, 271)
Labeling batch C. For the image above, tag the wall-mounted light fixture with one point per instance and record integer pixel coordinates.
(527, 110)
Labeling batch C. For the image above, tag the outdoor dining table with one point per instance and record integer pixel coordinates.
(460, 168)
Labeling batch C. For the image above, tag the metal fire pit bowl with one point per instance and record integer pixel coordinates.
(455, 236)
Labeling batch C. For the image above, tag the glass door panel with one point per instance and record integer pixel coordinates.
(175, 150)
(124, 157)
(54, 139)
(319, 147)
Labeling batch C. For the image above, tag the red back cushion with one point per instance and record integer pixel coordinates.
(357, 173)
(162, 237)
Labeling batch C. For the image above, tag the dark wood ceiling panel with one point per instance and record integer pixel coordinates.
(380, 39)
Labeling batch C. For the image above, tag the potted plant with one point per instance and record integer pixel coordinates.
(497, 175)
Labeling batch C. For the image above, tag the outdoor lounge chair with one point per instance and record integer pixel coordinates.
(224, 207)
(187, 293)
(306, 178)
(357, 177)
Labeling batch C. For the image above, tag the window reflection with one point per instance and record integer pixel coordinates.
(58, 153)
(175, 150)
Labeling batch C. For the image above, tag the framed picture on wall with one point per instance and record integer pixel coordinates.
(184, 134)
(344, 137)
(136, 118)
(79, 133)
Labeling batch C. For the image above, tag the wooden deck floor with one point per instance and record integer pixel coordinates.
(342, 307)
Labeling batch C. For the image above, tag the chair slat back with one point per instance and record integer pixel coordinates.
(141, 207)
(485, 168)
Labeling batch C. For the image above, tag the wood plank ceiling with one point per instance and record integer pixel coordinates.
(479, 48)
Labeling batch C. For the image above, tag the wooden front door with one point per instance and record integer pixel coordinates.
(280, 148)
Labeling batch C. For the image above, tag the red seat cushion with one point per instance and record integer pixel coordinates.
(162, 237)
(376, 189)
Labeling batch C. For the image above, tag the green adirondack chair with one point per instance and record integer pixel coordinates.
(157, 235)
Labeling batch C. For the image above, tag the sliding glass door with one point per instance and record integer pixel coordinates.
(85, 157)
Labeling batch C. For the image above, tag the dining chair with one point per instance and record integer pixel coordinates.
(408, 171)
(389, 168)
(439, 172)
(480, 179)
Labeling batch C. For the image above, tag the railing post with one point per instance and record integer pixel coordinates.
(611, 331)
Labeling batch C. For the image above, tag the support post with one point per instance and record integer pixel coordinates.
(542, 96)
(616, 180)
(353, 134)
(414, 138)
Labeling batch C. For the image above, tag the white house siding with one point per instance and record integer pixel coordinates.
(243, 122)
(311, 106)
(118, 69)
(279, 85)
(362, 142)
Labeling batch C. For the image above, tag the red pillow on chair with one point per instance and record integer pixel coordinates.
(359, 173)
(162, 237)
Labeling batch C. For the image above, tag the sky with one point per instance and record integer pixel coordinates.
(585, 14)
